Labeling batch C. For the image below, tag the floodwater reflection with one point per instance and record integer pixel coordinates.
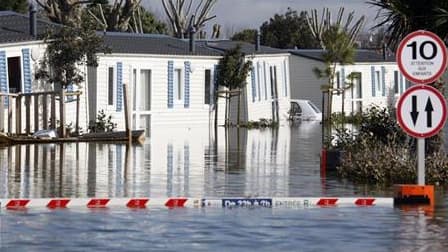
(194, 162)
(173, 162)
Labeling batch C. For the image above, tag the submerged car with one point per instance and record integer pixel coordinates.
(304, 110)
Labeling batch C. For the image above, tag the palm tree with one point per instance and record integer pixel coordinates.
(402, 17)
(339, 50)
(337, 38)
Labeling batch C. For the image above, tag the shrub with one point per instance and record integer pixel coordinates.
(381, 153)
(103, 123)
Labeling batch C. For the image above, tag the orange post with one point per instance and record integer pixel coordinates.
(414, 195)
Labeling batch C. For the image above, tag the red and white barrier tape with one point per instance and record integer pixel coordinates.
(287, 202)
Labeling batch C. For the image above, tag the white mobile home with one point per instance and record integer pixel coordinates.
(168, 83)
(376, 80)
(21, 49)
(267, 93)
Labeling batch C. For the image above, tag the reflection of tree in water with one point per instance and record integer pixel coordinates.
(236, 148)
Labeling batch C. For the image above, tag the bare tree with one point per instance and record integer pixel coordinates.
(118, 16)
(67, 12)
(183, 15)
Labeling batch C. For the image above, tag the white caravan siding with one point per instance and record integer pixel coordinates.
(34, 52)
(377, 84)
(197, 113)
(258, 89)
(381, 84)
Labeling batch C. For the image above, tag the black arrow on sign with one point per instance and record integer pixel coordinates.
(414, 113)
(429, 109)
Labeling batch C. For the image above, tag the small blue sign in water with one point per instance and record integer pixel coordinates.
(247, 202)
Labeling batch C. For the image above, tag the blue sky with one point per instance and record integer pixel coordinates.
(235, 15)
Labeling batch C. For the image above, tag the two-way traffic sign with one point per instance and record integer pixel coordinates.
(422, 111)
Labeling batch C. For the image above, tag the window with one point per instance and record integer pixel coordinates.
(207, 84)
(396, 82)
(110, 86)
(338, 80)
(316, 109)
(14, 75)
(408, 84)
(178, 85)
(273, 72)
(377, 80)
(134, 88)
(145, 89)
(295, 109)
(265, 81)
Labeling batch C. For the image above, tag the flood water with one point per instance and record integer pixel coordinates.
(193, 162)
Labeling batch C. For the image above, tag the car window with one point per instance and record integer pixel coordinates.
(316, 109)
(295, 108)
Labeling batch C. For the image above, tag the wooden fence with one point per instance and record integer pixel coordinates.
(18, 110)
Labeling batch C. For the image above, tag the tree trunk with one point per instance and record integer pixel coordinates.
(343, 106)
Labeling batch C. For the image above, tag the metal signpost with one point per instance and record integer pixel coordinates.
(422, 110)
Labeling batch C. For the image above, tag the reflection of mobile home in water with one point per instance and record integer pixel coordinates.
(176, 162)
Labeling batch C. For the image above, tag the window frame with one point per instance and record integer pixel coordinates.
(209, 93)
(396, 82)
(21, 75)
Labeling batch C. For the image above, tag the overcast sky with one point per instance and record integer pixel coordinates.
(235, 15)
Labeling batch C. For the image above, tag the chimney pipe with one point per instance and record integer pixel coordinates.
(257, 41)
(33, 19)
(192, 40)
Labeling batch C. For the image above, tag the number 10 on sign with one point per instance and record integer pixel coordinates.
(422, 57)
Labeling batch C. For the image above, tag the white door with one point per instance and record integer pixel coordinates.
(141, 114)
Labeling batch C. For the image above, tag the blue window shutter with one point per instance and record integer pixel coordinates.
(383, 80)
(342, 78)
(3, 77)
(26, 70)
(252, 77)
(372, 68)
(119, 105)
(170, 83)
(187, 67)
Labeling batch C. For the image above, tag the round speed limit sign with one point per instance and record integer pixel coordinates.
(422, 57)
